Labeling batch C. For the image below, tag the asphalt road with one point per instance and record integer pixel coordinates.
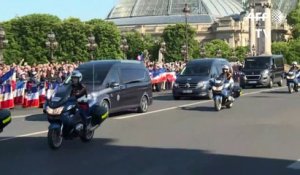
(258, 136)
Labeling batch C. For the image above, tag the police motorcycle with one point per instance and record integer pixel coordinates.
(292, 81)
(65, 120)
(5, 118)
(223, 94)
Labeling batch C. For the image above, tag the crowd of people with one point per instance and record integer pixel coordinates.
(56, 72)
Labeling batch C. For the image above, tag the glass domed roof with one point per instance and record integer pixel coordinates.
(139, 8)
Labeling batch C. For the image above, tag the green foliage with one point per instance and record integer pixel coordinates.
(213, 46)
(290, 50)
(27, 36)
(294, 20)
(139, 44)
(174, 36)
(108, 38)
(241, 52)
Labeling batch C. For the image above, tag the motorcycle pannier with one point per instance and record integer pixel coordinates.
(99, 114)
(5, 118)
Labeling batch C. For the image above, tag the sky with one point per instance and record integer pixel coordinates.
(83, 9)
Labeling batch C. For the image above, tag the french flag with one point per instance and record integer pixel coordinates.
(32, 98)
(8, 82)
(20, 92)
(7, 97)
(42, 93)
(165, 76)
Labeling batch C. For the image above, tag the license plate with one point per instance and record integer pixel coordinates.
(187, 91)
(252, 82)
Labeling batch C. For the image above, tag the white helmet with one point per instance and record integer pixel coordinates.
(294, 63)
(225, 67)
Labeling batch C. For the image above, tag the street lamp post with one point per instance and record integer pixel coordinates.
(186, 10)
(202, 50)
(91, 45)
(163, 50)
(3, 43)
(219, 53)
(184, 52)
(124, 47)
(51, 44)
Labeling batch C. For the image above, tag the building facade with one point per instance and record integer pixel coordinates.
(212, 19)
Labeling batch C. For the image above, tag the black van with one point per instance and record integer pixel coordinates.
(119, 85)
(263, 70)
(193, 80)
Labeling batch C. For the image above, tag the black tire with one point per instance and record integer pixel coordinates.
(210, 95)
(280, 83)
(87, 137)
(54, 139)
(243, 86)
(176, 98)
(271, 84)
(144, 104)
(105, 104)
(218, 105)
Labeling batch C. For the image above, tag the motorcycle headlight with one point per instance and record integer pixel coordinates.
(215, 88)
(56, 111)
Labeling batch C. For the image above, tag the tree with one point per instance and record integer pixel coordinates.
(241, 52)
(72, 39)
(174, 36)
(27, 36)
(213, 46)
(108, 38)
(294, 20)
(139, 44)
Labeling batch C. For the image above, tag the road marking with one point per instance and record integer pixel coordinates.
(190, 104)
(24, 135)
(295, 165)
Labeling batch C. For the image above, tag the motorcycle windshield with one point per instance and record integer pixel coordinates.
(61, 95)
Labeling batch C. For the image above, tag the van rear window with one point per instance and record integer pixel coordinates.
(196, 70)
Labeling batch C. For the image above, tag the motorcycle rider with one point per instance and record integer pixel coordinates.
(295, 69)
(79, 91)
(229, 83)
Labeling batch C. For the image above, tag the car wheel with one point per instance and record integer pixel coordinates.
(105, 104)
(144, 104)
(280, 83)
(271, 83)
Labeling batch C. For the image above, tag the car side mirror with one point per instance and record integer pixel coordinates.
(274, 67)
(114, 85)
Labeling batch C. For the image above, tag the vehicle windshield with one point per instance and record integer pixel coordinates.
(257, 63)
(196, 70)
(89, 76)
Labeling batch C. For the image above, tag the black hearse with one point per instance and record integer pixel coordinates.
(193, 80)
(118, 85)
(263, 70)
